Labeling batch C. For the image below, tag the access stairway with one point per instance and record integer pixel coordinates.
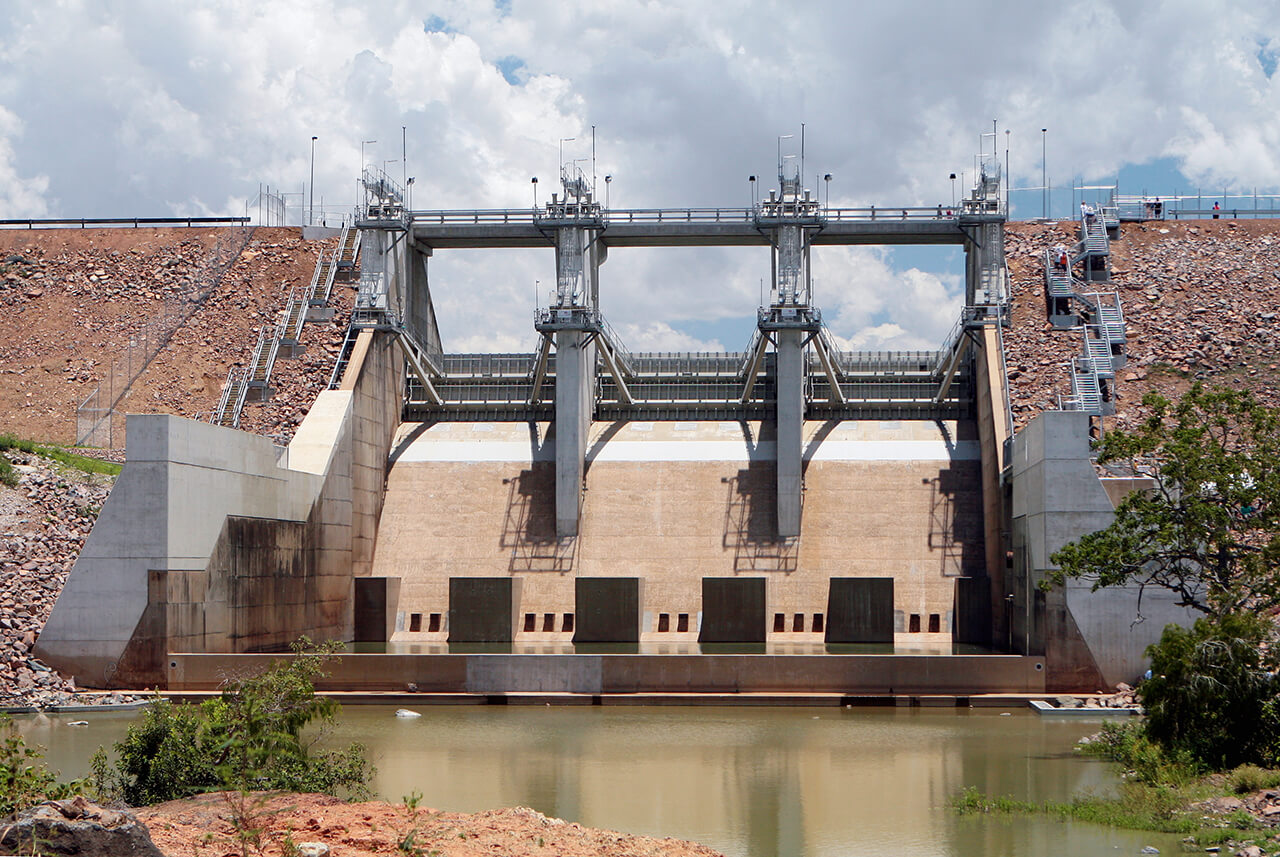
(1073, 302)
(348, 251)
(232, 400)
(253, 383)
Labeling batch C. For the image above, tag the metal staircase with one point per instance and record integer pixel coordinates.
(1108, 315)
(232, 401)
(348, 249)
(1086, 389)
(322, 279)
(1097, 351)
(1093, 237)
(264, 360)
(1057, 281)
(295, 317)
(287, 332)
(1071, 302)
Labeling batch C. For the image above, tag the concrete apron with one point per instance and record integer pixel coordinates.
(638, 676)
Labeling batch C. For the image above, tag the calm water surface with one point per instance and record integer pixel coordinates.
(751, 782)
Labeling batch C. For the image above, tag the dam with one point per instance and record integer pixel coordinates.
(585, 519)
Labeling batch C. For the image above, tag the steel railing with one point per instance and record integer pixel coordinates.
(529, 216)
(133, 222)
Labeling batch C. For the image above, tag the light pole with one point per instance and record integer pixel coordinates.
(1044, 173)
(953, 191)
(534, 182)
(608, 180)
(360, 175)
(409, 184)
(827, 178)
(1007, 178)
(404, 158)
(752, 181)
(311, 209)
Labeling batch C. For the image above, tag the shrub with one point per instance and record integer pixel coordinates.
(1128, 745)
(1250, 778)
(248, 739)
(24, 779)
(1211, 696)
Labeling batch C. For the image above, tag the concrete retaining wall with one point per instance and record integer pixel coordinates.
(218, 541)
(659, 674)
(1091, 640)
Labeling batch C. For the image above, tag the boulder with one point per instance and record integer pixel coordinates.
(77, 827)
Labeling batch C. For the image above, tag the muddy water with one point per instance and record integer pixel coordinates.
(764, 782)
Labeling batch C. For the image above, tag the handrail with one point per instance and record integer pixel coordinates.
(84, 222)
(529, 216)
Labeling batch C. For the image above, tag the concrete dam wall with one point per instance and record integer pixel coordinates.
(671, 504)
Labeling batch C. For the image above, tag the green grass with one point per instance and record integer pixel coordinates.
(1157, 809)
(81, 463)
(1158, 794)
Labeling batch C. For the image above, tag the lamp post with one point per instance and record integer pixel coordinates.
(534, 182)
(827, 178)
(404, 158)
(409, 184)
(1044, 173)
(311, 208)
(608, 180)
(360, 174)
(1007, 178)
(953, 191)
(752, 181)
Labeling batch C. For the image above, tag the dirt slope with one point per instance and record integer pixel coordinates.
(375, 829)
(74, 299)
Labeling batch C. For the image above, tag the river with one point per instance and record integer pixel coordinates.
(751, 782)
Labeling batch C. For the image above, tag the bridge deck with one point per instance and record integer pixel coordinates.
(692, 227)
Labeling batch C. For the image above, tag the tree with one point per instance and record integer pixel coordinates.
(1212, 692)
(1209, 529)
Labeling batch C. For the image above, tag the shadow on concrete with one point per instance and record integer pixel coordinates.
(751, 516)
(955, 522)
(529, 525)
(406, 442)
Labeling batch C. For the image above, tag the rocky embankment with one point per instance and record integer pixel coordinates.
(75, 301)
(1201, 301)
(43, 524)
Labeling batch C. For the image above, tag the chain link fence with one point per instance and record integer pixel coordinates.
(98, 423)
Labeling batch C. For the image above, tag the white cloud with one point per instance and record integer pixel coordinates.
(660, 336)
(19, 197)
(187, 108)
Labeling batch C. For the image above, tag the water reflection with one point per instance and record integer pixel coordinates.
(751, 782)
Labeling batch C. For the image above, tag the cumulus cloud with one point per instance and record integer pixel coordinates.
(189, 108)
(20, 197)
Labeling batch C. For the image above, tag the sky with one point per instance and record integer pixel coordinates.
(122, 108)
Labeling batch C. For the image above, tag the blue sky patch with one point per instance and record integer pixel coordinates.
(436, 24)
(1266, 58)
(513, 70)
